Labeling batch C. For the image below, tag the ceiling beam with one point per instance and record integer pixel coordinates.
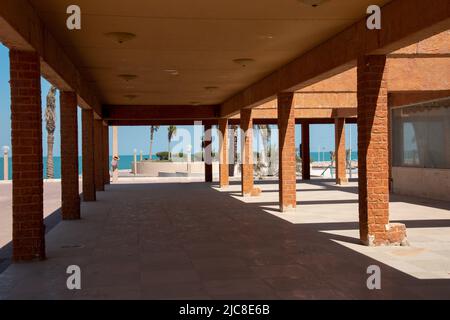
(214, 122)
(21, 28)
(403, 22)
(160, 112)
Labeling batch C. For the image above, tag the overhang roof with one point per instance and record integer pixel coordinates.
(198, 38)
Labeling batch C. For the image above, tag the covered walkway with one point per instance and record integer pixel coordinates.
(166, 239)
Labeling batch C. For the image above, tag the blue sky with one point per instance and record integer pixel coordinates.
(130, 138)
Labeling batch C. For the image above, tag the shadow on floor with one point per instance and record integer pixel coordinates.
(192, 241)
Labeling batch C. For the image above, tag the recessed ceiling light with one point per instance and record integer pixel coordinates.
(121, 37)
(243, 62)
(172, 72)
(265, 37)
(211, 88)
(313, 3)
(127, 77)
(130, 96)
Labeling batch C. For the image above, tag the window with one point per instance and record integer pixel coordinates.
(421, 135)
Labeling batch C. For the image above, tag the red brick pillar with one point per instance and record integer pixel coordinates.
(208, 158)
(70, 196)
(223, 153)
(340, 153)
(373, 168)
(99, 156)
(286, 134)
(88, 155)
(306, 156)
(28, 236)
(247, 187)
(105, 134)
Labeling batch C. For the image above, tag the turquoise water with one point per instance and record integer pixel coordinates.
(125, 162)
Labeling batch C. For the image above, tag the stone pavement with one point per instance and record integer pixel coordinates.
(178, 238)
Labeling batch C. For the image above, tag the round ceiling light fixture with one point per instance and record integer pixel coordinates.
(172, 72)
(127, 77)
(194, 103)
(243, 62)
(121, 37)
(313, 3)
(265, 37)
(211, 88)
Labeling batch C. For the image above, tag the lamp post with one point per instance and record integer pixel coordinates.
(135, 161)
(188, 151)
(5, 163)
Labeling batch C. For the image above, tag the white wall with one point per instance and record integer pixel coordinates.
(422, 182)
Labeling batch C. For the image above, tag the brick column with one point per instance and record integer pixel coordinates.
(28, 236)
(88, 155)
(286, 134)
(70, 196)
(99, 156)
(340, 152)
(208, 158)
(247, 187)
(106, 166)
(306, 156)
(223, 153)
(373, 170)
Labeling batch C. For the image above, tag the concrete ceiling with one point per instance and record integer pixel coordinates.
(199, 38)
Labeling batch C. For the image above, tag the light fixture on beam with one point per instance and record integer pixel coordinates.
(121, 37)
(211, 88)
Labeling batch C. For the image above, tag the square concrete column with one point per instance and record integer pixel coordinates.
(87, 119)
(70, 196)
(286, 134)
(223, 153)
(247, 154)
(208, 158)
(105, 135)
(373, 170)
(340, 152)
(306, 155)
(28, 238)
(99, 160)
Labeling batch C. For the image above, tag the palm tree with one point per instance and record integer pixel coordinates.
(266, 134)
(50, 117)
(153, 129)
(171, 131)
(231, 166)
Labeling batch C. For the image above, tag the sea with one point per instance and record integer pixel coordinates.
(126, 161)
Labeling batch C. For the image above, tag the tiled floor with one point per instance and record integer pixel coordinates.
(144, 239)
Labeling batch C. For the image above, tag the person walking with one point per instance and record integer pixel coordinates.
(115, 167)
